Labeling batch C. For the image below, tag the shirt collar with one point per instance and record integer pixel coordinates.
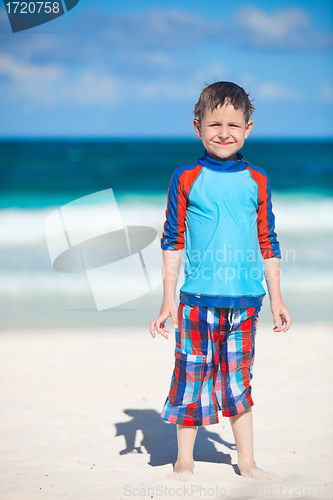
(223, 165)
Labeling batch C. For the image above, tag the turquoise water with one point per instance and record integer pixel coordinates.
(39, 176)
(43, 173)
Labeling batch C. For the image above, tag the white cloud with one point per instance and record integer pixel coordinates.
(91, 88)
(211, 73)
(266, 90)
(51, 85)
(29, 82)
(169, 29)
(21, 71)
(186, 88)
(274, 26)
(170, 90)
(158, 42)
(160, 28)
(326, 91)
(269, 91)
(289, 28)
(158, 59)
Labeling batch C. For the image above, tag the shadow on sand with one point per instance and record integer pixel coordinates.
(160, 439)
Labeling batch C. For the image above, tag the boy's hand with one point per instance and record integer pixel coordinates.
(167, 310)
(280, 311)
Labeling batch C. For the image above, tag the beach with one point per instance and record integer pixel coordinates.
(80, 417)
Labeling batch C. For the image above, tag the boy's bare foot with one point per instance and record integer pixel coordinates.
(255, 473)
(182, 470)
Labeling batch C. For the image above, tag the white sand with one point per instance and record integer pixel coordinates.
(65, 432)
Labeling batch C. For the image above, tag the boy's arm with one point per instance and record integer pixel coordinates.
(171, 264)
(279, 310)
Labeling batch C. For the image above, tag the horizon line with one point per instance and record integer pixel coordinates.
(148, 138)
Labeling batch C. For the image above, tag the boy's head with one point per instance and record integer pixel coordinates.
(220, 93)
(222, 119)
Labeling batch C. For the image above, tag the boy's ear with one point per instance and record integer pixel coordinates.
(197, 127)
(248, 128)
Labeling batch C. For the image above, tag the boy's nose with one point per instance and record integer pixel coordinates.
(223, 133)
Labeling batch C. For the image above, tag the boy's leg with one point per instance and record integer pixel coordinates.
(191, 401)
(242, 427)
(186, 437)
(239, 357)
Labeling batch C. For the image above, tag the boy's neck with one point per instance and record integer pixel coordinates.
(217, 158)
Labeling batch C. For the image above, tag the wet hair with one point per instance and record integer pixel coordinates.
(220, 93)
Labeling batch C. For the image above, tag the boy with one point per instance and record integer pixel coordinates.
(219, 208)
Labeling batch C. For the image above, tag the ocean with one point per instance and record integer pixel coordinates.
(39, 176)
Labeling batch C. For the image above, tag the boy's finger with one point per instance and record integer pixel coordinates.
(276, 322)
(277, 326)
(152, 329)
(160, 326)
(287, 324)
(284, 319)
(164, 333)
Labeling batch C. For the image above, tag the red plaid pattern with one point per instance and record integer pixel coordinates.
(214, 357)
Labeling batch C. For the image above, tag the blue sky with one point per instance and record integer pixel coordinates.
(136, 69)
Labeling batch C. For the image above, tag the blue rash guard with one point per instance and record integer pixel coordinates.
(221, 212)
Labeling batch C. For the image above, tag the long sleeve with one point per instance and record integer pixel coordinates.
(268, 242)
(175, 215)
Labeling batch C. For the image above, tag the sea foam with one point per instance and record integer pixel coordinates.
(26, 227)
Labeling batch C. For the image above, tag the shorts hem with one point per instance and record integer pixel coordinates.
(200, 422)
(244, 405)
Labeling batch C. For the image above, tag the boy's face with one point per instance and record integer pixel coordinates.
(223, 131)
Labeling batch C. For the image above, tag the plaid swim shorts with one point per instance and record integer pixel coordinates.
(214, 357)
